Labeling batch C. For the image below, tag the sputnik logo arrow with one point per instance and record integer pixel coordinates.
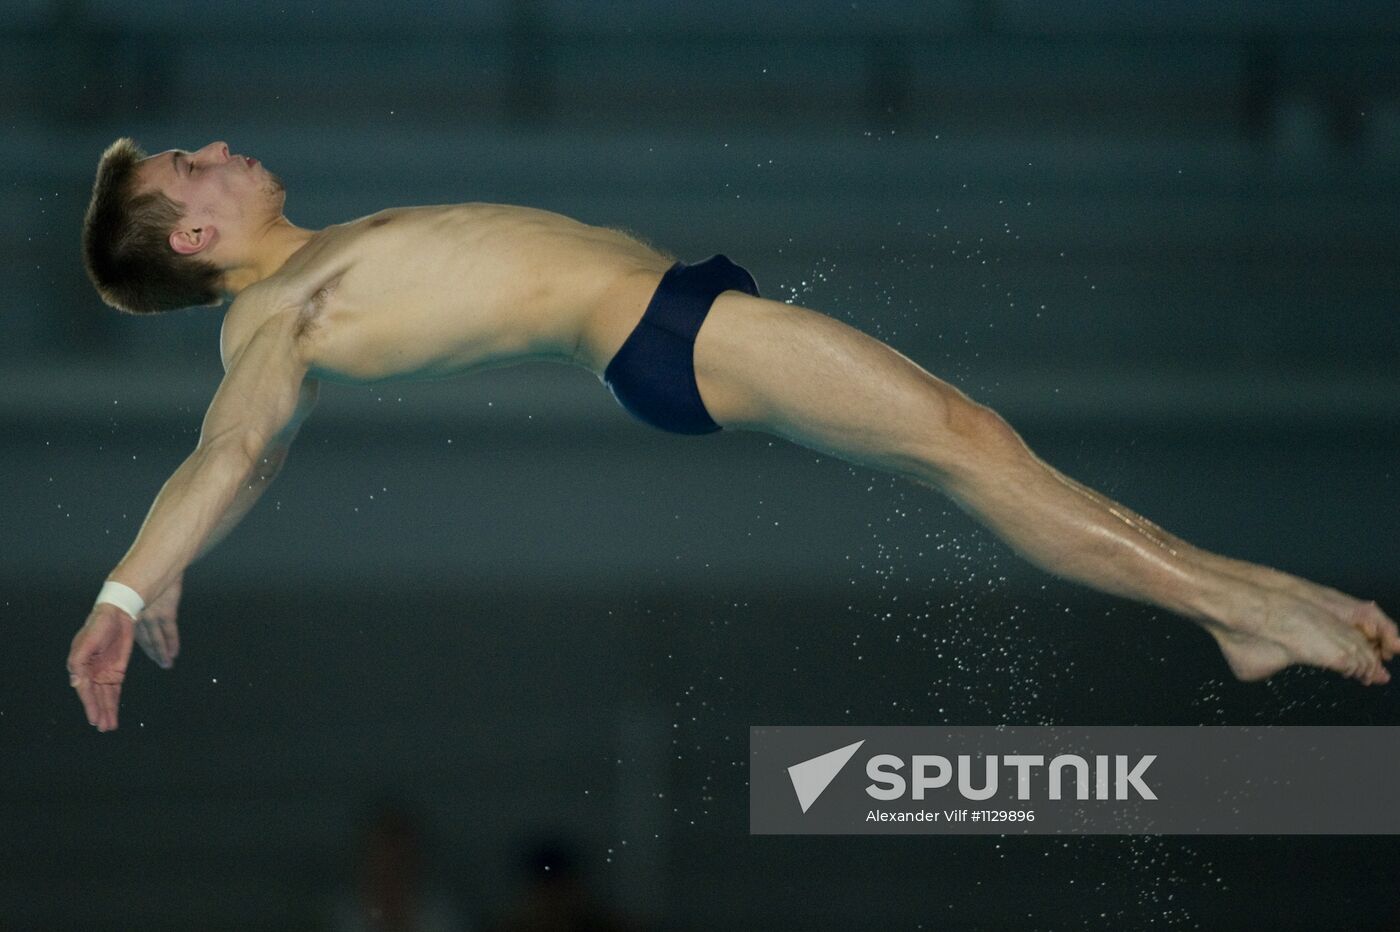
(811, 777)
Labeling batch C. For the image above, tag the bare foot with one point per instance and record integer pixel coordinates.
(1353, 638)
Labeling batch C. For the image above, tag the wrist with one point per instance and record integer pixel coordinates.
(121, 596)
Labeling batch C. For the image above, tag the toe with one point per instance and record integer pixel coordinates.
(1370, 615)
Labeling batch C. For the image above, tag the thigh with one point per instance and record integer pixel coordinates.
(788, 370)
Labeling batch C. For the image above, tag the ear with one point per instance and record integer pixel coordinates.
(197, 239)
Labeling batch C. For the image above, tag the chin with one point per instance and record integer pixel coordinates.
(276, 196)
(274, 187)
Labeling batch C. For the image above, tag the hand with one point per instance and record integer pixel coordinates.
(155, 629)
(97, 663)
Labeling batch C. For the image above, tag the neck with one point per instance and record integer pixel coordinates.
(271, 249)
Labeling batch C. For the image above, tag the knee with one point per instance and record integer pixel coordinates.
(968, 438)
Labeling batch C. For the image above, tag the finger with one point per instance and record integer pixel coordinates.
(143, 638)
(84, 688)
(172, 637)
(93, 702)
(170, 640)
(110, 697)
(104, 706)
(78, 658)
(162, 653)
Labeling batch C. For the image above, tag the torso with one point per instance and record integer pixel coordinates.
(428, 292)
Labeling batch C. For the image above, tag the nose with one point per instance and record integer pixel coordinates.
(217, 150)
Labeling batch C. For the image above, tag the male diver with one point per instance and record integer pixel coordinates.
(690, 348)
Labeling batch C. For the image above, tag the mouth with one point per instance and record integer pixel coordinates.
(250, 160)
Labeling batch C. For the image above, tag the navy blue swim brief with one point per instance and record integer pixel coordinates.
(653, 374)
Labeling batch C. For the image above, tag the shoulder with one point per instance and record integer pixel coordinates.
(287, 290)
(239, 325)
(253, 308)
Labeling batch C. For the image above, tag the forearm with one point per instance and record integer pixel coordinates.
(189, 507)
(1072, 531)
(248, 494)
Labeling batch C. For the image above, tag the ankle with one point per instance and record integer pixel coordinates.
(1229, 602)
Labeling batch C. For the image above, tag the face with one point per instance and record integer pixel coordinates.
(227, 197)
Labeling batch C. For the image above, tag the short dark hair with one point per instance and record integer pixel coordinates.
(126, 246)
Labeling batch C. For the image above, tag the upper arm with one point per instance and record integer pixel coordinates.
(309, 391)
(262, 394)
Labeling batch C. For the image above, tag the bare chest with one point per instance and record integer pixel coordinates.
(429, 292)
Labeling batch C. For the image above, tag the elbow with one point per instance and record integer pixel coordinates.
(234, 452)
(269, 462)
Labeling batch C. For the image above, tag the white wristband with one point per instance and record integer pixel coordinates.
(122, 596)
